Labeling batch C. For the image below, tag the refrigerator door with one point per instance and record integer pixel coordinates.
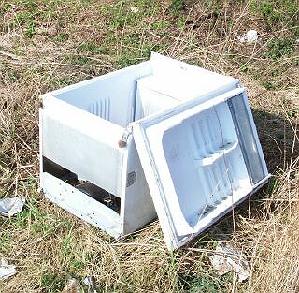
(199, 159)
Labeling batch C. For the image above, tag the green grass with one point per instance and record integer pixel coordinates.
(277, 13)
(62, 37)
(280, 47)
(90, 47)
(52, 282)
(177, 6)
(206, 283)
(5, 242)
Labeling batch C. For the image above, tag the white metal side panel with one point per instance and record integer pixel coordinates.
(149, 101)
(137, 205)
(183, 81)
(110, 96)
(81, 205)
(82, 143)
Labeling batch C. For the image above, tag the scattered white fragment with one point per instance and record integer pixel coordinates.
(89, 281)
(72, 286)
(6, 270)
(250, 37)
(226, 259)
(134, 9)
(10, 206)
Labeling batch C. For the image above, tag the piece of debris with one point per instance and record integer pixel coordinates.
(226, 258)
(72, 286)
(250, 37)
(6, 270)
(10, 206)
(134, 9)
(90, 282)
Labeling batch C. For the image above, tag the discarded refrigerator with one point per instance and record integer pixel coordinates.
(158, 138)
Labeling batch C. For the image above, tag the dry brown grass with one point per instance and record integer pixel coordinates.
(74, 40)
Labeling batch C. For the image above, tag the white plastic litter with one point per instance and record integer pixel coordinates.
(6, 270)
(89, 281)
(134, 9)
(10, 206)
(226, 259)
(250, 37)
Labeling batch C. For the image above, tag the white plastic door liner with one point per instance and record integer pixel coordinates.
(199, 163)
